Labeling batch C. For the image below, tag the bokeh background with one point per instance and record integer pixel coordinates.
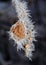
(8, 16)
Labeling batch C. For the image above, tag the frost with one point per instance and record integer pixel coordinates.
(23, 15)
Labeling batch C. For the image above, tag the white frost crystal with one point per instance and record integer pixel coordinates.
(23, 32)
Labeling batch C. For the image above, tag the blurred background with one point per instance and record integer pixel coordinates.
(8, 16)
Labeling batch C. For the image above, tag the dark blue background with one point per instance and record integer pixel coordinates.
(8, 53)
